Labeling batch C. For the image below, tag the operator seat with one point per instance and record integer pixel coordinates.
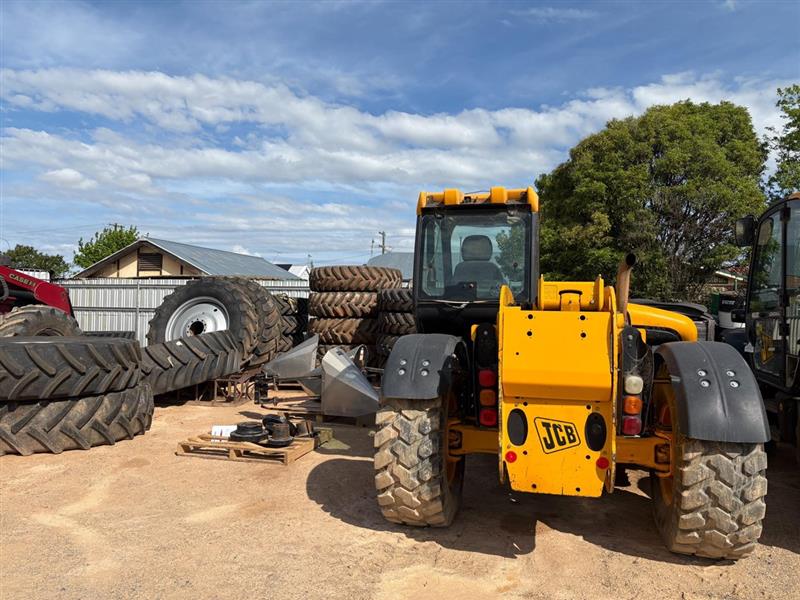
(476, 265)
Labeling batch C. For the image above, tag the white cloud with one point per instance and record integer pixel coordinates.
(168, 151)
(551, 14)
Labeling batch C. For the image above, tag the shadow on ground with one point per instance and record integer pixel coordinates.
(493, 520)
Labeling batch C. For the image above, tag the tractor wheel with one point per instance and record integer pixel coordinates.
(344, 331)
(397, 323)
(196, 359)
(205, 305)
(396, 300)
(40, 368)
(712, 503)
(269, 322)
(342, 305)
(385, 344)
(74, 423)
(353, 278)
(289, 325)
(416, 483)
(38, 320)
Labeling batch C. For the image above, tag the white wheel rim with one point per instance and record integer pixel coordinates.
(196, 316)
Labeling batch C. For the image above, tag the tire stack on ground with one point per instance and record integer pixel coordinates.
(344, 304)
(396, 318)
(63, 391)
(294, 320)
(183, 347)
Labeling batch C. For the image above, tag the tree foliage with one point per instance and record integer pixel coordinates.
(667, 185)
(28, 257)
(104, 243)
(785, 144)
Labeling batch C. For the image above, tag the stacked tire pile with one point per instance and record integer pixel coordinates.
(396, 318)
(60, 390)
(210, 328)
(294, 320)
(344, 304)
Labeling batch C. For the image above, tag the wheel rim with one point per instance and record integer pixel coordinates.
(196, 316)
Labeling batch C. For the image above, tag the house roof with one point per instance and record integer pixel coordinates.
(396, 260)
(207, 260)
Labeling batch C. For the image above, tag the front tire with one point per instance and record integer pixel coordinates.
(416, 483)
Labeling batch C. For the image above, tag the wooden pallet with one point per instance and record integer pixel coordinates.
(220, 448)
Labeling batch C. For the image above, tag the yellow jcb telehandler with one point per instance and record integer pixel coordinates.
(564, 382)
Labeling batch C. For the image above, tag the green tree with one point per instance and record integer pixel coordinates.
(104, 243)
(667, 185)
(785, 145)
(28, 257)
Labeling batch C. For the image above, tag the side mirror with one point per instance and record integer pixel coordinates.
(737, 315)
(745, 231)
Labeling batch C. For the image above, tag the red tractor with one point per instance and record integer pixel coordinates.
(31, 306)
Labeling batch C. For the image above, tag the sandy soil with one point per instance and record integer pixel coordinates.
(136, 521)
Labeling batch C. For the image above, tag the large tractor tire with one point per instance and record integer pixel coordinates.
(269, 322)
(396, 300)
(711, 504)
(397, 323)
(416, 484)
(74, 423)
(206, 305)
(353, 278)
(344, 331)
(288, 305)
(40, 368)
(188, 361)
(385, 344)
(38, 320)
(343, 305)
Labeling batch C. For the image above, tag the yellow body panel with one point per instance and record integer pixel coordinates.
(642, 316)
(558, 367)
(497, 195)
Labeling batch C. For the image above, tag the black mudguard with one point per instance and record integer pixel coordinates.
(419, 366)
(729, 407)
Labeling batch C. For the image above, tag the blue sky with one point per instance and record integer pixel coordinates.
(296, 128)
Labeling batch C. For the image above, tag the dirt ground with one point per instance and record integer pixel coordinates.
(136, 521)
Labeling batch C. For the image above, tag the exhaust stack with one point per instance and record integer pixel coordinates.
(623, 284)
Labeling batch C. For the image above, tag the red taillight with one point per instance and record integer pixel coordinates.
(631, 425)
(511, 456)
(488, 417)
(602, 463)
(487, 378)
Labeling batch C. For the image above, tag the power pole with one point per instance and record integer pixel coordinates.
(383, 241)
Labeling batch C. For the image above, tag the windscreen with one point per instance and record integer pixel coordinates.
(469, 255)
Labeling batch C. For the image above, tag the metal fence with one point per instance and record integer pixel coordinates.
(119, 304)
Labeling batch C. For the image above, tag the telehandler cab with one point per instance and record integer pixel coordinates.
(557, 380)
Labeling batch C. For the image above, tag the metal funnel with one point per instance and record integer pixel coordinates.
(345, 390)
(297, 362)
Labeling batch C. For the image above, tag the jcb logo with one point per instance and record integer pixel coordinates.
(556, 435)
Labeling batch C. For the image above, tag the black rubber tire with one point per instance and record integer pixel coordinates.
(291, 325)
(410, 475)
(74, 423)
(242, 313)
(180, 363)
(125, 335)
(396, 300)
(353, 278)
(343, 305)
(397, 323)
(289, 305)
(269, 322)
(38, 320)
(344, 331)
(717, 499)
(285, 343)
(385, 344)
(40, 368)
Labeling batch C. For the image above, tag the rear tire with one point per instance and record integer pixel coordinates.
(713, 505)
(344, 331)
(75, 423)
(342, 305)
(397, 323)
(269, 322)
(38, 320)
(396, 300)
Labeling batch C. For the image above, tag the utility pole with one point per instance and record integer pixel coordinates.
(383, 241)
